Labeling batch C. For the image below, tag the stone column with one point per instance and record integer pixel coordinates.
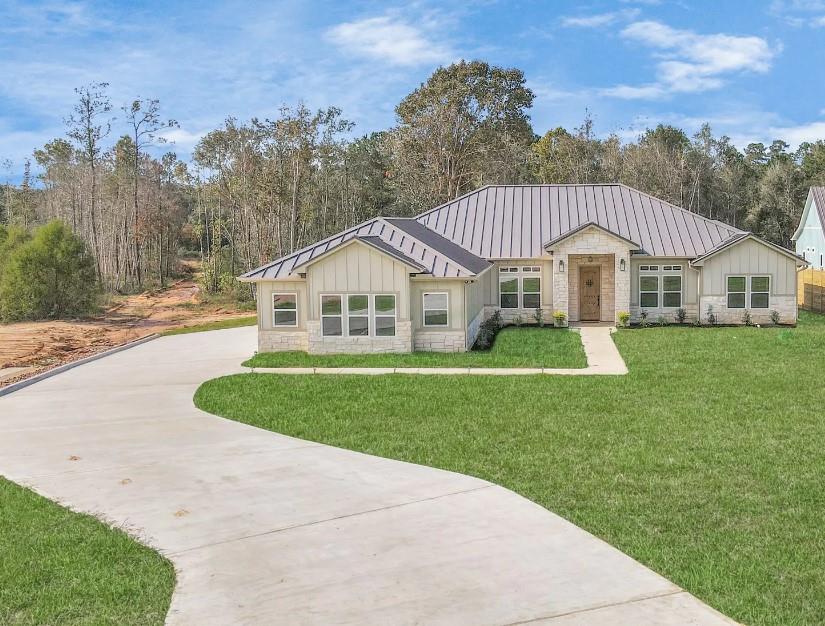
(622, 282)
(560, 284)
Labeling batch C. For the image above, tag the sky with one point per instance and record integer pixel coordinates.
(753, 70)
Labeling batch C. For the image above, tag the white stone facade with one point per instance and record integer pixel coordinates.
(606, 251)
(282, 340)
(318, 344)
(445, 341)
(472, 329)
(784, 305)
(528, 316)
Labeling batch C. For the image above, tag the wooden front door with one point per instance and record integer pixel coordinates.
(590, 294)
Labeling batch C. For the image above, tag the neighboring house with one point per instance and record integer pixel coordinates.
(592, 251)
(810, 236)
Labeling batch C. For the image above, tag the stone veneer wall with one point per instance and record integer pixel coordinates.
(318, 344)
(445, 341)
(784, 305)
(595, 242)
(692, 311)
(528, 316)
(282, 340)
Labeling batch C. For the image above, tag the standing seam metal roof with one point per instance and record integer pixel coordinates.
(457, 238)
(818, 194)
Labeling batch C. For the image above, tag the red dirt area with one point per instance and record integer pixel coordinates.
(37, 346)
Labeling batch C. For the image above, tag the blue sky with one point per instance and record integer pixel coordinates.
(751, 69)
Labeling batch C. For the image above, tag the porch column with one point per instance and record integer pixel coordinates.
(622, 283)
(560, 284)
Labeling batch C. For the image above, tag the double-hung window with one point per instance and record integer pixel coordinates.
(385, 315)
(358, 315)
(660, 286)
(649, 291)
(332, 316)
(760, 292)
(436, 309)
(284, 309)
(671, 286)
(519, 287)
(736, 292)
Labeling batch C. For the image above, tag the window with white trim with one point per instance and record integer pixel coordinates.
(520, 287)
(332, 316)
(436, 308)
(760, 292)
(358, 315)
(284, 309)
(736, 287)
(671, 288)
(649, 292)
(384, 315)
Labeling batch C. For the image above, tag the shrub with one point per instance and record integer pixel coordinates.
(661, 320)
(517, 321)
(488, 331)
(747, 319)
(775, 318)
(680, 315)
(539, 316)
(559, 317)
(50, 275)
(624, 319)
(643, 319)
(711, 316)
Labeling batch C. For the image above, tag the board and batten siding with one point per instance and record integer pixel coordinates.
(749, 258)
(358, 269)
(265, 312)
(811, 242)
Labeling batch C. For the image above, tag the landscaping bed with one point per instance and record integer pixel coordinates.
(705, 462)
(61, 567)
(513, 347)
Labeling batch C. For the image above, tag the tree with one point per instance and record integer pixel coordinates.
(456, 130)
(87, 131)
(50, 275)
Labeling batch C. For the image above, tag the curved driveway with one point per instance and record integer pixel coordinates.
(267, 529)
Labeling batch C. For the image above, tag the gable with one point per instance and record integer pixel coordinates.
(750, 256)
(357, 267)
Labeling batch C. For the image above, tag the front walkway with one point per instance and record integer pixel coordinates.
(268, 529)
(603, 359)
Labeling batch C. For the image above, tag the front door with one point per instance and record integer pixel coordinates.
(590, 293)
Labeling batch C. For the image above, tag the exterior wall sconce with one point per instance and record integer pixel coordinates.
(622, 265)
(561, 266)
(590, 259)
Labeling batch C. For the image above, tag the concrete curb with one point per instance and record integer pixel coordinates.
(4, 391)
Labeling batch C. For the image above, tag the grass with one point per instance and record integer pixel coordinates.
(706, 462)
(61, 567)
(235, 322)
(513, 347)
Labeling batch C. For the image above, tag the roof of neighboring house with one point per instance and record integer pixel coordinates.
(513, 221)
(456, 239)
(739, 237)
(816, 195)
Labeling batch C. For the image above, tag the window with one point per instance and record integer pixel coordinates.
(649, 292)
(649, 268)
(435, 309)
(520, 287)
(284, 309)
(358, 316)
(760, 292)
(384, 307)
(671, 290)
(736, 292)
(508, 287)
(331, 316)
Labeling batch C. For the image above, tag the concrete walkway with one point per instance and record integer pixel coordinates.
(603, 359)
(267, 529)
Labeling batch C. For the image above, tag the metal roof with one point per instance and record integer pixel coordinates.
(513, 221)
(431, 239)
(403, 245)
(456, 239)
(818, 194)
(553, 242)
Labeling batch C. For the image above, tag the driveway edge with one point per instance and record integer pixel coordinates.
(4, 391)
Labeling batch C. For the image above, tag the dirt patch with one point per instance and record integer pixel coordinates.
(43, 345)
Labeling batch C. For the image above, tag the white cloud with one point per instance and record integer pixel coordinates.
(598, 20)
(799, 13)
(388, 39)
(796, 135)
(182, 138)
(690, 62)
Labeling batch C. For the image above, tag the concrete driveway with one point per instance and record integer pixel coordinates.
(267, 529)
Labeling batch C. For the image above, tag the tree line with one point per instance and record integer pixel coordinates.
(257, 189)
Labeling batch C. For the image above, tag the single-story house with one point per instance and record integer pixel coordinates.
(592, 251)
(810, 236)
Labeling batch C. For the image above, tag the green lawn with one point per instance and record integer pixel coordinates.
(706, 462)
(513, 347)
(61, 567)
(234, 322)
